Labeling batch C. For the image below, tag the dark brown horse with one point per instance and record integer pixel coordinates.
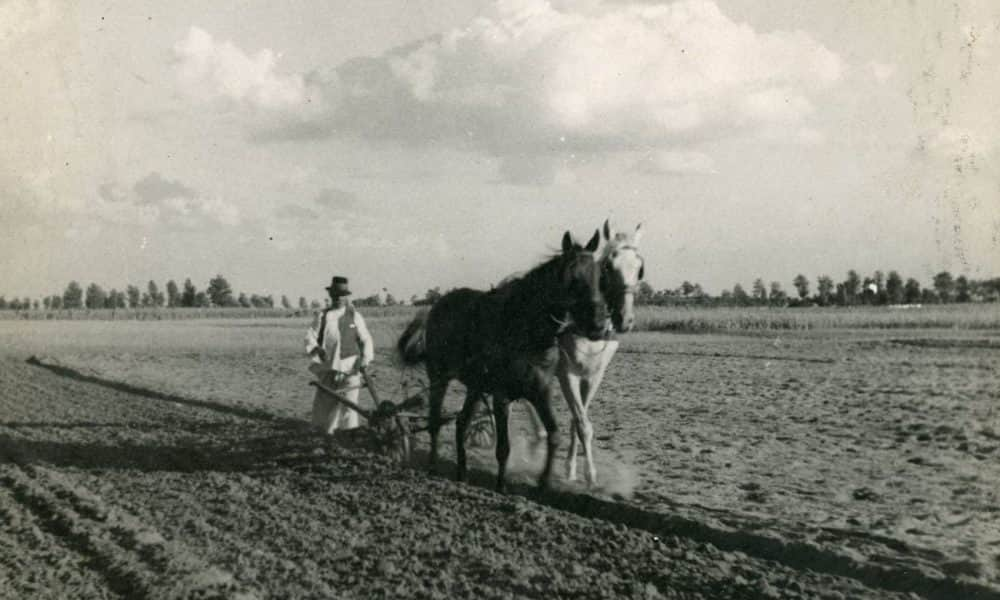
(503, 343)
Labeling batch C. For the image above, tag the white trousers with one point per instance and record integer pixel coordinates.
(328, 414)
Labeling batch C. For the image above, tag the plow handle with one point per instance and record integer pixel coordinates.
(340, 398)
(370, 384)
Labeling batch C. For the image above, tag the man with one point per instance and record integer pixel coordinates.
(339, 344)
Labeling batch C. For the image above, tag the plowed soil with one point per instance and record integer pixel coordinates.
(157, 460)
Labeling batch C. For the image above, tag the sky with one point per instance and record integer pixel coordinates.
(410, 144)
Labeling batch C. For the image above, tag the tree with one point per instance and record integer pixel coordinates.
(117, 299)
(202, 300)
(881, 295)
(57, 302)
(740, 295)
(285, 302)
(686, 289)
(433, 295)
(824, 289)
(869, 291)
(73, 296)
(173, 294)
(3, 303)
(133, 295)
(156, 297)
(894, 288)
(990, 288)
(372, 300)
(390, 300)
(777, 295)
(303, 305)
(243, 300)
(644, 294)
(95, 296)
(944, 285)
(219, 291)
(189, 295)
(851, 286)
(801, 284)
(962, 289)
(911, 291)
(759, 291)
(46, 302)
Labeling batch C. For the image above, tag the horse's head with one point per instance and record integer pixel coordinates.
(581, 280)
(621, 271)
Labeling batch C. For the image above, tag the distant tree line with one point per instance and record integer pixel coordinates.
(218, 293)
(875, 290)
(854, 290)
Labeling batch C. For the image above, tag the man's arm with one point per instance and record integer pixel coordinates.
(312, 337)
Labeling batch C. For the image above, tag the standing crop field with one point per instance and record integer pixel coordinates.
(872, 442)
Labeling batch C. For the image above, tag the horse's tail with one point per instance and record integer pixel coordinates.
(412, 345)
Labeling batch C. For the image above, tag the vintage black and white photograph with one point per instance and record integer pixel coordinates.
(439, 299)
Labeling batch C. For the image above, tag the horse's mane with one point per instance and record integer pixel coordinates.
(516, 278)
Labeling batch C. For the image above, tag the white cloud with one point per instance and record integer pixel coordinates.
(881, 71)
(211, 69)
(532, 73)
(537, 78)
(676, 162)
(156, 201)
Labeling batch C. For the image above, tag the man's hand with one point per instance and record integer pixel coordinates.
(320, 353)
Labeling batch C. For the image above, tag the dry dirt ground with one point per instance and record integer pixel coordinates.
(171, 460)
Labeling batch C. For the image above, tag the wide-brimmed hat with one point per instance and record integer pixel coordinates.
(338, 287)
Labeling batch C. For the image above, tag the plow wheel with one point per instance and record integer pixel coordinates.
(391, 437)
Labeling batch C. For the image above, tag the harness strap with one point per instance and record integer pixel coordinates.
(322, 328)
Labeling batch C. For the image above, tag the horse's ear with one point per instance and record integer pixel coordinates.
(594, 241)
(607, 230)
(637, 235)
(567, 243)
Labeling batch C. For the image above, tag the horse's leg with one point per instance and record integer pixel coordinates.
(536, 424)
(588, 389)
(501, 410)
(472, 399)
(570, 385)
(586, 429)
(439, 385)
(542, 400)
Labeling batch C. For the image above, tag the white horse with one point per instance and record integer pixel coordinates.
(583, 362)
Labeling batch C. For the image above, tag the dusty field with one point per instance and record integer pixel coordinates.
(816, 464)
